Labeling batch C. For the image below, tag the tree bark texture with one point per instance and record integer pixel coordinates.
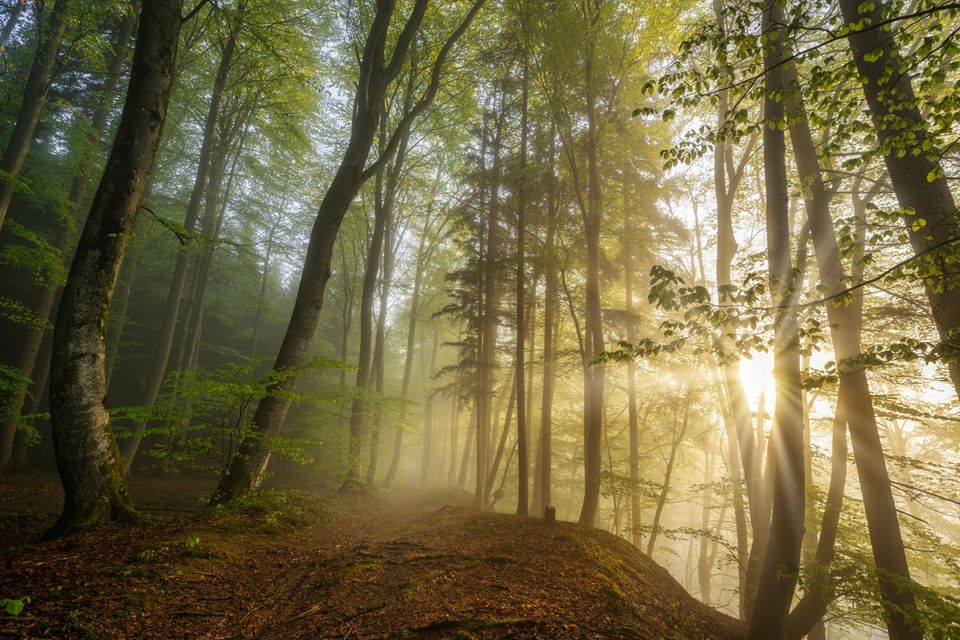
(845, 327)
(86, 451)
(917, 177)
(781, 562)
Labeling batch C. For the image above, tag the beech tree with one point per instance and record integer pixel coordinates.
(376, 74)
(87, 454)
(34, 95)
(642, 266)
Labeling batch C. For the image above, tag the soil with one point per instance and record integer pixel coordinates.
(405, 564)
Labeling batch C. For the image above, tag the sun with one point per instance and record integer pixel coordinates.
(756, 374)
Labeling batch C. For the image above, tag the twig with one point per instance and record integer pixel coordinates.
(199, 614)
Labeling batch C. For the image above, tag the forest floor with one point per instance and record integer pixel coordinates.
(401, 564)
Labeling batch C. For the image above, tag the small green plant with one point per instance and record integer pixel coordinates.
(276, 508)
(13, 607)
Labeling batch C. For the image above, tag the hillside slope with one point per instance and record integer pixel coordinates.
(360, 567)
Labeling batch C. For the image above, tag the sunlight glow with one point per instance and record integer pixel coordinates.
(757, 376)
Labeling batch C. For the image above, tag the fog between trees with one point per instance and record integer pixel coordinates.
(685, 272)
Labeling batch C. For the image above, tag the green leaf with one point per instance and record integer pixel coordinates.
(12, 607)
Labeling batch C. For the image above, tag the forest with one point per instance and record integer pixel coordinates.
(480, 319)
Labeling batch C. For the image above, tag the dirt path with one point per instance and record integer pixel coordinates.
(409, 565)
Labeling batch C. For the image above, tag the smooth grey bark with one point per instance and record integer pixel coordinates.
(811, 608)
(86, 451)
(636, 535)
(365, 359)
(593, 323)
(544, 475)
(387, 190)
(523, 455)
(917, 177)
(34, 95)
(704, 559)
(380, 340)
(365, 355)
(736, 490)
(265, 282)
(781, 562)
(216, 201)
(488, 324)
(119, 315)
(845, 327)
(728, 175)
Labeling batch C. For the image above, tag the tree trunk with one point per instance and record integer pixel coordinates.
(34, 95)
(593, 325)
(119, 316)
(426, 463)
(511, 389)
(424, 253)
(420, 263)
(736, 483)
(380, 342)
(727, 176)
(467, 451)
(636, 535)
(164, 344)
(365, 362)
(385, 193)
(215, 210)
(262, 295)
(454, 437)
(488, 339)
(845, 322)
(675, 442)
(917, 176)
(704, 565)
(523, 456)
(11, 24)
(543, 497)
(781, 561)
(811, 608)
(86, 451)
(376, 74)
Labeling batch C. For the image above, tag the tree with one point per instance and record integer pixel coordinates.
(34, 95)
(916, 172)
(376, 74)
(46, 297)
(857, 410)
(191, 224)
(87, 454)
(523, 463)
(781, 561)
